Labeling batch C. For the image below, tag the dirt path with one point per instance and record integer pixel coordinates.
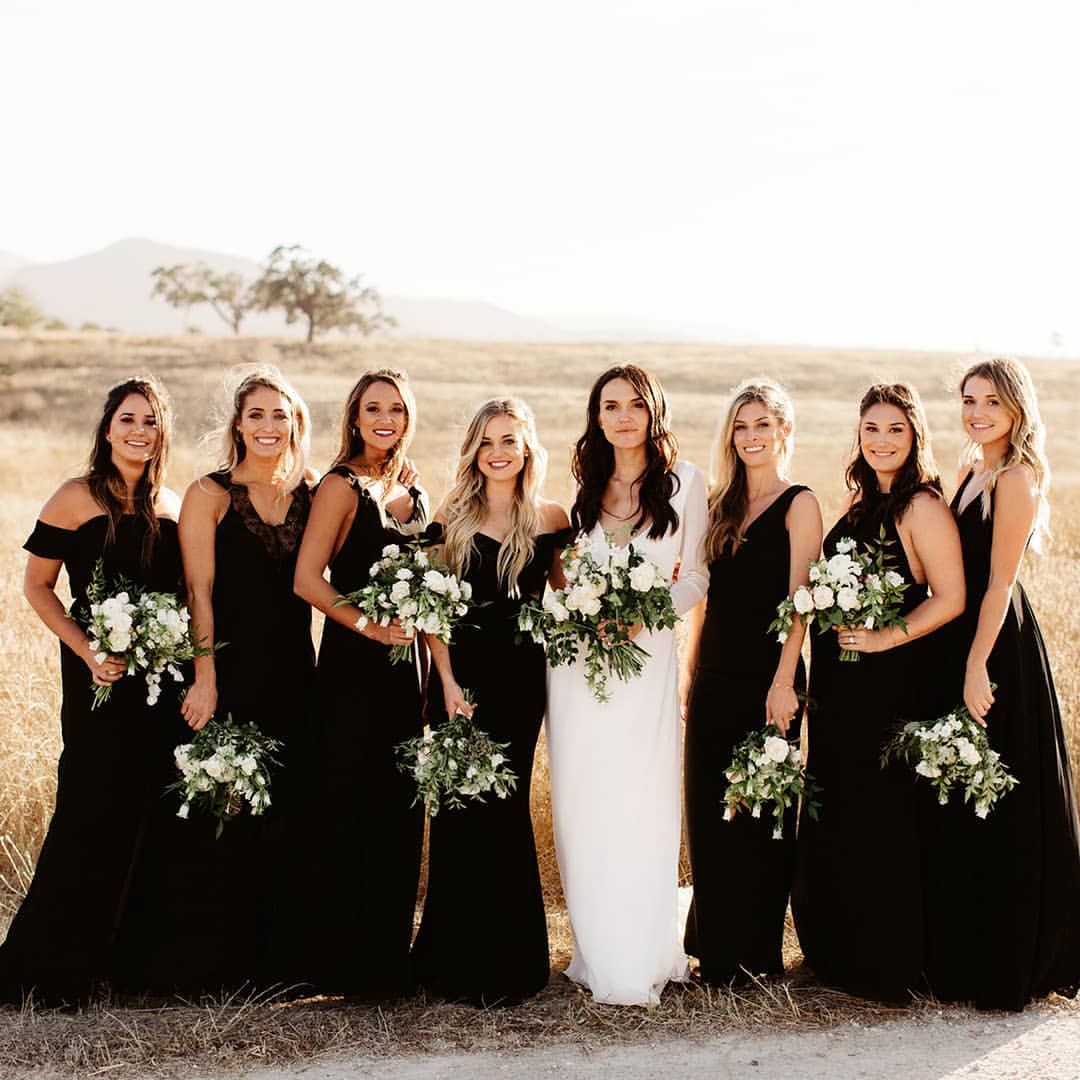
(1038, 1045)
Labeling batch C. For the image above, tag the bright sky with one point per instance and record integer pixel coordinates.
(850, 171)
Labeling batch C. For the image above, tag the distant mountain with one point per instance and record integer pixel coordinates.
(9, 265)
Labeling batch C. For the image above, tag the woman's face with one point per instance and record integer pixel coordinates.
(266, 423)
(624, 415)
(986, 420)
(502, 449)
(885, 438)
(133, 432)
(381, 417)
(758, 436)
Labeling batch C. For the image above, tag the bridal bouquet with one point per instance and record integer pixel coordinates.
(851, 588)
(225, 766)
(424, 597)
(150, 630)
(766, 768)
(954, 752)
(454, 762)
(602, 599)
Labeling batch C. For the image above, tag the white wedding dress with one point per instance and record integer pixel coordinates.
(615, 784)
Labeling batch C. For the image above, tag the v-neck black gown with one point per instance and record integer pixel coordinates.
(857, 892)
(114, 763)
(742, 876)
(1003, 894)
(483, 937)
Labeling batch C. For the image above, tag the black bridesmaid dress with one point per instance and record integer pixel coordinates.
(1003, 894)
(483, 936)
(742, 876)
(62, 942)
(344, 920)
(857, 892)
(204, 904)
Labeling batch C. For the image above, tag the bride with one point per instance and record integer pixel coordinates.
(616, 767)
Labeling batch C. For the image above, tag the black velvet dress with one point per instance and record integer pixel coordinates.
(113, 766)
(1003, 894)
(483, 937)
(857, 893)
(742, 876)
(344, 920)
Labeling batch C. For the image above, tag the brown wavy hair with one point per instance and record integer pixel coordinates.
(106, 485)
(593, 460)
(352, 444)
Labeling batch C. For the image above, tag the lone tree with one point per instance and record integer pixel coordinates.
(188, 284)
(318, 292)
(18, 310)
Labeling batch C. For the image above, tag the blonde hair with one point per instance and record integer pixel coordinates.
(231, 449)
(352, 443)
(1027, 437)
(466, 504)
(728, 496)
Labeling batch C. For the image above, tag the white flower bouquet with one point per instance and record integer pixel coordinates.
(602, 599)
(767, 768)
(954, 752)
(406, 584)
(150, 630)
(454, 762)
(223, 768)
(851, 588)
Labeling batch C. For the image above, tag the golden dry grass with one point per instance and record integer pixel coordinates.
(48, 403)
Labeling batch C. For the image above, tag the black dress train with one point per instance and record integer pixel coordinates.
(483, 937)
(742, 876)
(110, 775)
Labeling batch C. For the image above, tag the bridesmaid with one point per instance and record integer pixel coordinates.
(763, 532)
(857, 892)
(345, 924)
(61, 943)
(240, 529)
(1004, 894)
(483, 937)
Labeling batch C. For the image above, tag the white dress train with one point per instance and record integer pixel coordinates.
(616, 771)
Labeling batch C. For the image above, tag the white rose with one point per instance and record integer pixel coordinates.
(435, 581)
(643, 577)
(815, 573)
(823, 597)
(926, 769)
(893, 578)
(391, 551)
(968, 754)
(776, 749)
(398, 591)
(404, 574)
(845, 545)
(847, 598)
(408, 609)
(466, 590)
(804, 602)
(591, 606)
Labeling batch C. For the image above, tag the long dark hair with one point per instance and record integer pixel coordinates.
(594, 458)
(103, 478)
(352, 444)
(918, 473)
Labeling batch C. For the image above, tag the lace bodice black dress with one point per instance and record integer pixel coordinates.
(204, 903)
(110, 775)
(344, 924)
(857, 894)
(1003, 894)
(483, 936)
(736, 929)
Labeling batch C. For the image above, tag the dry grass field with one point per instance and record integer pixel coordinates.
(50, 393)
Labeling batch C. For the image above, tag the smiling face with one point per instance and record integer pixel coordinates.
(133, 432)
(501, 455)
(885, 440)
(381, 417)
(758, 436)
(624, 415)
(986, 419)
(266, 423)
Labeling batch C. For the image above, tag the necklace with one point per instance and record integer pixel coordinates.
(621, 517)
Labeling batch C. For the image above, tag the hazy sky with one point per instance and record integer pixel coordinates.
(818, 170)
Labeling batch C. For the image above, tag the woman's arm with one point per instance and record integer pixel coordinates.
(692, 624)
(205, 504)
(1016, 503)
(693, 583)
(805, 530)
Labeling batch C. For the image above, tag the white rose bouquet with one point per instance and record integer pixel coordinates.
(954, 752)
(602, 599)
(423, 596)
(225, 766)
(766, 768)
(150, 630)
(454, 762)
(851, 588)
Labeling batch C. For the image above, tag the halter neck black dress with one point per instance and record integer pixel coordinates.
(732, 927)
(857, 894)
(483, 936)
(110, 775)
(1003, 894)
(344, 924)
